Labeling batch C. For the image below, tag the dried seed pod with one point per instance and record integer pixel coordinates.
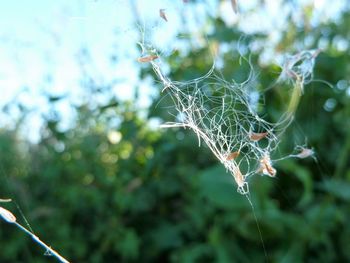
(147, 58)
(162, 14)
(232, 156)
(239, 178)
(266, 166)
(234, 6)
(257, 136)
(305, 152)
(7, 215)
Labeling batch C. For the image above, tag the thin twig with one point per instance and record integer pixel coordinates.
(50, 250)
(10, 218)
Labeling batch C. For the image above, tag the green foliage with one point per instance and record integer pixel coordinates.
(154, 196)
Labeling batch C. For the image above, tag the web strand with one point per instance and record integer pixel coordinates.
(223, 116)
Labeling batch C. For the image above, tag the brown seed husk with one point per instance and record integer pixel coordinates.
(147, 58)
(232, 156)
(257, 136)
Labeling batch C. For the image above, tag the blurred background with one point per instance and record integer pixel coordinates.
(90, 171)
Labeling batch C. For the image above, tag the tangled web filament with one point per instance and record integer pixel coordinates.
(221, 114)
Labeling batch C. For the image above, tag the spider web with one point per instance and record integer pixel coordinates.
(221, 114)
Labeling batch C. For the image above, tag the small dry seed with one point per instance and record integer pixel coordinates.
(305, 152)
(147, 58)
(257, 136)
(162, 14)
(232, 156)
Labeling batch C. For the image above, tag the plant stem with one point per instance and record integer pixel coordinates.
(37, 240)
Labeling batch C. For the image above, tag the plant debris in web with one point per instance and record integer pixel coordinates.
(220, 113)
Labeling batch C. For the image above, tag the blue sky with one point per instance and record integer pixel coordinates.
(40, 38)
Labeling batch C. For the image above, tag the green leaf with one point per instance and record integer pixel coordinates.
(337, 187)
